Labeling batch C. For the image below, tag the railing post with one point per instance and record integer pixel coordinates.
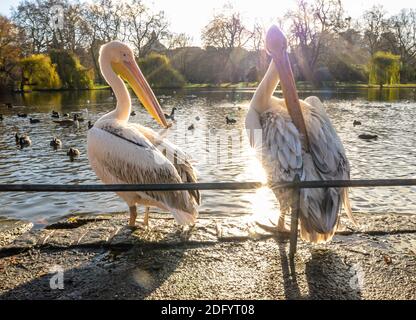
(294, 220)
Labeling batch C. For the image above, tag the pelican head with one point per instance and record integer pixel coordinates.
(276, 47)
(120, 57)
(276, 42)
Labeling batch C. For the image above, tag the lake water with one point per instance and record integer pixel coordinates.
(390, 114)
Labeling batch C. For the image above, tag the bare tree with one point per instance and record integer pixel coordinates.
(311, 23)
(177, 40)
(144, 27)
(226, 32)
(33, 17)
(403, 27)
(257, 37)
(375, 25)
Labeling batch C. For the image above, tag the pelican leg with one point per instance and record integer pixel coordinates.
(133, 216)
(280, 227)
(146, 217)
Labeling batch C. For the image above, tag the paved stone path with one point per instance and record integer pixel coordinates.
(217, 259)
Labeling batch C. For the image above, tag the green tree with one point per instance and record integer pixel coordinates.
(384, 69)
(38, 72)
(10, 52)
(72, 74)
(159, 72)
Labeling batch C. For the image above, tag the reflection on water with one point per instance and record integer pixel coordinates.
(216, 157)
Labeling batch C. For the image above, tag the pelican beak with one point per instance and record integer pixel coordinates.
(130, 71)
(276, 47)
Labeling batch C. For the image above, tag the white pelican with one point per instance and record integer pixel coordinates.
(314, 151)
(124, 153)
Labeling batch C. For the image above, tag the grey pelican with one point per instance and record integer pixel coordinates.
(125, 153)
(297, 139)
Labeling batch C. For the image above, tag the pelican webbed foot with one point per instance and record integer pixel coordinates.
(274, 228)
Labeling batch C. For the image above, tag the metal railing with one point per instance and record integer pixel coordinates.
(205, 186)
(296, 185)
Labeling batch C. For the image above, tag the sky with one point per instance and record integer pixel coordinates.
(190, 16)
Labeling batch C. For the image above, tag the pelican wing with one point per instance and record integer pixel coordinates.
(120, 153)
(180, 160)
(283, 159)
(327, 151)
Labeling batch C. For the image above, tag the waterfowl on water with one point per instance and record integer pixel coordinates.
(55, 114)
(56, 143)
(230, 120)
(366, 136)
(171, 116)
(22, 115)
(73, 153)
(191, 127)
(356, 123)
(68, 122)
(23, 140)
(66, 115)
(34, 120)
(79, 117)
(296, 138)
(129, 153)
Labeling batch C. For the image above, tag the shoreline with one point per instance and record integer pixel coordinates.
(225, 258)
(241, 85)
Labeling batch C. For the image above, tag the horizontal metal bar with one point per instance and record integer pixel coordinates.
(203, 186)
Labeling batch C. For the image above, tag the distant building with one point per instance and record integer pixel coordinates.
(154, 45)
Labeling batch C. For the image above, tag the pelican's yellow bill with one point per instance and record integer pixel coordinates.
(130, 71)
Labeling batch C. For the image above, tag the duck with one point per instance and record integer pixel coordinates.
(230, 120)
(191, 127)
(23, 140)
(22, 115)
(68, 122)
(34, 120)
(79, 117)
(73, 153)
(90, 124)
(171, 116)
(55, 114)
(356, 123)
(366, 136)
(56, 143)
(66, 115)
